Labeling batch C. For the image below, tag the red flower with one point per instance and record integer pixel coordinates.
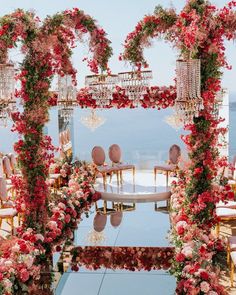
(179, 257)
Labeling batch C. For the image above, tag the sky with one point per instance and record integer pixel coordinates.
(118, 18)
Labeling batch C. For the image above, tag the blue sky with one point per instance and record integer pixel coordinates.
(118, 18)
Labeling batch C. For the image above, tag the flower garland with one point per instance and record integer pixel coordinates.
(198, 32)
(156, 97)
(129, 258)
(48, 51)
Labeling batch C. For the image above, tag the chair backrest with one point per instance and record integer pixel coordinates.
(13, 161)
(98, 155)
(1, 168)
(99, 222)
(116, 218)
(115, 153)
(7, 166)
(174, 154)
(3, 189)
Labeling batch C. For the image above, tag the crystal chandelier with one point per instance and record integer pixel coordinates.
(175, 121)
(3, 118)
(7, 89)
(93, 121)
(101, 87)
(66, 113)
(189, 101)
(66, 92)
(218, 102)
(135, 84)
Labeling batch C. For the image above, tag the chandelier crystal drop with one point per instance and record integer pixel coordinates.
(189, 102)
(135, 84)
(101, 88)
(93, 121)
(66, 92)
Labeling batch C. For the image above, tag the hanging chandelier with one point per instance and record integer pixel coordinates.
(93, 121)
(101, 88)
(175, 121)
(66, 92)
(66, 113)
(7, 90)
(189, 102)
(135, 84)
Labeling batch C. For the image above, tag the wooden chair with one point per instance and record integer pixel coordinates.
(224, 214)
(9, 214)
(7, 202)
(231, 257)
(172, 164)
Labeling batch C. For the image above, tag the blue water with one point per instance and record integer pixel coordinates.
(143, 134)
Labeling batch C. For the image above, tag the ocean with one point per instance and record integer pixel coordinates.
(142, 134)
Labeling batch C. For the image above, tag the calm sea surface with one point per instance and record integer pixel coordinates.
(143, 135)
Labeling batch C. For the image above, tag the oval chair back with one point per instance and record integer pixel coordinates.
(98, 155)
(116, 218)
(3, 189)
(7, 166)
(174, 154)
(115, 153)
(99, 222)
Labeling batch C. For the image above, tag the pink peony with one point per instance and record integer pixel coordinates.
(187, 251)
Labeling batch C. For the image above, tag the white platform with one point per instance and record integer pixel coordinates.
(142, 191)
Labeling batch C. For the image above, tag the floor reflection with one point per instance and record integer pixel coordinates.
(140, 226)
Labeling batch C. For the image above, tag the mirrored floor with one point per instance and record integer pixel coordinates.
(143, 227)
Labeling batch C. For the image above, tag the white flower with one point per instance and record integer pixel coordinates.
(205, 287)
(28, 260)
(15, 248)
(8, 263)
(7, 284)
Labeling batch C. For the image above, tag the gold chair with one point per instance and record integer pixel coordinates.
(172, 163)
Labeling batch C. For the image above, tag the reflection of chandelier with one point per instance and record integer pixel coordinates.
(66, 113)
(189, 101)
(7, 88)
(92, 121)
(96, 238)
(135, 84)
(101, 88)
(66, 91)
(174, 121)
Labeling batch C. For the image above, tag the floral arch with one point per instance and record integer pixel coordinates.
(198, 32)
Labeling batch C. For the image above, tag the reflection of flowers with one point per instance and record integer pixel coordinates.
(130, 258)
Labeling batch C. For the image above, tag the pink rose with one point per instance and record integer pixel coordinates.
(24, 275)
(52, 225)
(205, 287)
(67, 218)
